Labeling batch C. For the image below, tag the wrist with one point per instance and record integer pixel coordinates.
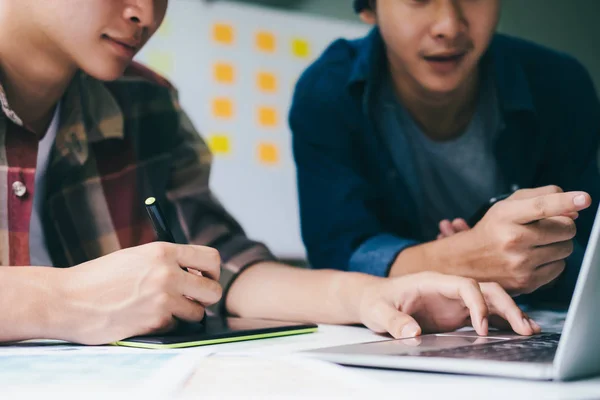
(65, 317)
(348, 291)
(46, 302)
(453, 255)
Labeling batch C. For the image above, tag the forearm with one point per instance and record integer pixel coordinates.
(454, 255)
(276, 291)
(29, 303)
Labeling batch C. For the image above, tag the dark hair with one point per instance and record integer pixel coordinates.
(360, 5)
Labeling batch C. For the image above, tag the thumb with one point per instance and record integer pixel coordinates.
(397, 323)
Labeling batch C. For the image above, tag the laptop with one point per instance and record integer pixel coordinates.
(574, 354)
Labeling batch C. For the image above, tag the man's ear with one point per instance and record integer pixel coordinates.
(368, 16)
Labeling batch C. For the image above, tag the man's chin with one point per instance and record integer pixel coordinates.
(106, 73)
(441, 88)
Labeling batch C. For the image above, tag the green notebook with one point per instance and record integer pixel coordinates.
(215, 330)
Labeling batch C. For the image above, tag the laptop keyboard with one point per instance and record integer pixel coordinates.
(538, 349)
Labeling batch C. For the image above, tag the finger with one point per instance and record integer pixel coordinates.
(573, 215)
(164, 329)
(551, 205)
(543, 255)
(460, 225)
(204, 290)
(535, 192)
(554, 230)
(501, 304)
(201, 258)
(473, 298)
(467, 290)
(547, 273)
(396, 323)
(446, 228)
(440, 236)
(187, 310)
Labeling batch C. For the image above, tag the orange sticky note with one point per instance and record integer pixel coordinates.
(219, 144)
(222, 108)
(300, 48)
(266, 82)
(223, 33)
(268, 153)
(267, 116)
(224, 73)
(265, 41)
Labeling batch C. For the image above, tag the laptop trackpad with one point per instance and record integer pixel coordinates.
(414, 345)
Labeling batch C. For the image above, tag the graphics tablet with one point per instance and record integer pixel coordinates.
(215, 330)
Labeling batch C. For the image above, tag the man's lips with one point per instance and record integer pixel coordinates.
(445, 57)
(125, 47)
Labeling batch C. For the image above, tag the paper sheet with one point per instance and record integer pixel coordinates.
(149, 373)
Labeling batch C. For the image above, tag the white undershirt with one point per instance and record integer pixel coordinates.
(38, 250)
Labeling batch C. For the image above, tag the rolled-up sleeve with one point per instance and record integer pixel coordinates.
(376, 255)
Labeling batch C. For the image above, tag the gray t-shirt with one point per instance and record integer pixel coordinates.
(455, 177)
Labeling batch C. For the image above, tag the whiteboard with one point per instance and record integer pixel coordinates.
(235, 67)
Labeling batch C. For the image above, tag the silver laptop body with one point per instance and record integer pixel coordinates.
(549, 356)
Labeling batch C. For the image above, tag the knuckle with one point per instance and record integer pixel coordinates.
(160, 322)
(163, 277)
(513, 239)
(216, 291)
(522, 281)
(539, 207)
(162, 302)
(159, 251)
(214, 255)
(554, 189)
(570, 228)
(569, 247)
(471, 283)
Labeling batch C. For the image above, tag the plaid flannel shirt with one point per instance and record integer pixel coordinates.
(117, 143)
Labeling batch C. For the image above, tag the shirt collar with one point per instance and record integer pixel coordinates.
(514, 93)
(89, 114)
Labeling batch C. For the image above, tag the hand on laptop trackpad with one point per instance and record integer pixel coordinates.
(421, 343)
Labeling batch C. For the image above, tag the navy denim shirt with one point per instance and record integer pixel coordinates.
(357, 213)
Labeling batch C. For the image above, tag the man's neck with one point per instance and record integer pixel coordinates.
(32, 72)
(441, 117)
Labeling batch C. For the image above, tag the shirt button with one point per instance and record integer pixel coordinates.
(19, 189)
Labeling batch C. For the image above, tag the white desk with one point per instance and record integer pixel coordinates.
(399, 384)
(271, 367)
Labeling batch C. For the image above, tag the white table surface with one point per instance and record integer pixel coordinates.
(275, 368)
(398, 384)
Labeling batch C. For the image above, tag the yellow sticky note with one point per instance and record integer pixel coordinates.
(222, 108)
(267, 116)
(161, 62)
(223, 33)
(265, 41)
(266, 82)
(165, 28)
(219, 144)
(224, 73)
(300, 48)
(268, 153)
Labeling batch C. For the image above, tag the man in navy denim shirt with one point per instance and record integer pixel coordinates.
(402, 135)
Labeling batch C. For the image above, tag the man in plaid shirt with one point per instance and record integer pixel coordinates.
(85, 136)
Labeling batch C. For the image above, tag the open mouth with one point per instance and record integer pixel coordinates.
(446, 58)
